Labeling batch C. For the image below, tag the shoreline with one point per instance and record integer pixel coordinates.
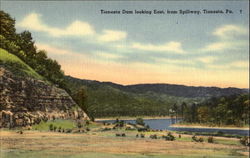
(203, 126)
(132, 118)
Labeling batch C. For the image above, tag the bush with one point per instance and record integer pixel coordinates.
(55, 128)
(87, 122)
(210, 139)
(220, 133)
(51, 127)
(68, 130)
(142, 129)
(59, 129)
(245, 141)
(196, 139)
(140, 121)
(79, 125)
(117, 134)
(170, 137)
(154, 136)
(123, 135)
(201, 139)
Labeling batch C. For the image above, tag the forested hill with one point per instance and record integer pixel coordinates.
(102, 99)
(167, 89)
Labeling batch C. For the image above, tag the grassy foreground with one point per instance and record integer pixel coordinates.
(97, 143)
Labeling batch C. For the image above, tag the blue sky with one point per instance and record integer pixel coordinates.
(199, 50)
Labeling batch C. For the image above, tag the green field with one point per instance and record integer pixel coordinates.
(39, 142)
(65, 124)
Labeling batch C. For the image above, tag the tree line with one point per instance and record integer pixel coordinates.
(229, 110)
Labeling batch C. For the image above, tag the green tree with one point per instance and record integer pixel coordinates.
(140, 121)
(80, 98)
(183, 107)
(203, 114)
(7, 27)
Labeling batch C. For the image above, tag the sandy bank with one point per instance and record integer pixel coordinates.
(202, 126)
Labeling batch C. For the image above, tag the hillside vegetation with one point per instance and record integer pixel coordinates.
(17, 66)
(106, 99)
(23, 46)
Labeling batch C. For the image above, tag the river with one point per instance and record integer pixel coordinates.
(164, 124)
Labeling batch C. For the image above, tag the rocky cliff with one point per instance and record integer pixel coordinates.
(25, 101)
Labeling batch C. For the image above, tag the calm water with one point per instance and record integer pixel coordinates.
(164, 124)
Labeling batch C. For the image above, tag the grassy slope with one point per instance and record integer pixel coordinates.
(16, 65)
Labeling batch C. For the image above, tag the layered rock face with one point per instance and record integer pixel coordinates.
(26, 101)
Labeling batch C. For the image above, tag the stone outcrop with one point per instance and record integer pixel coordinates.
(26, 101)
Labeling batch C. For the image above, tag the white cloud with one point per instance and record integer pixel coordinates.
(175, 61)
(77, 28)
(34, 22)
(112, 35)
(207, 59)
(169, 47)
(228, 66)
(219, 67)
(224, 45)
(229, 31)
(53, 50)
(240, 64)
(107, 55)
(217, 46)
(230, 37)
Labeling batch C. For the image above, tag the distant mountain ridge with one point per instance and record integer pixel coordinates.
(168, 89)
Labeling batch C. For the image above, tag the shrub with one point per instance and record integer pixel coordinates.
(59, 129)
(210, 139)
(170, 137)
(79, 125)
(55, 128)
(87, 122)
(196, 139)
(117, 135)
(140, 121)
(154, 136)
(245, 141)
(142, 129)
(51, 127)
(68, 130)
(201, 139)
(123, 135)
(220, 133)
